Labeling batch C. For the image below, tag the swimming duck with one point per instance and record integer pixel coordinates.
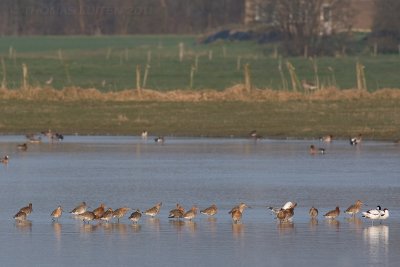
(356, 140)
(313, 150)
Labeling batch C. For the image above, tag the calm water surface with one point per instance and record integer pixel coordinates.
(128, 171)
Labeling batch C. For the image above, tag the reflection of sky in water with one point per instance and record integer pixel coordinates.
(127, 171)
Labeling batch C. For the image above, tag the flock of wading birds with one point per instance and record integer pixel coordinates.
(282, 214)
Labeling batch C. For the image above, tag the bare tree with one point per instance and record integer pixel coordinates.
(303, 24)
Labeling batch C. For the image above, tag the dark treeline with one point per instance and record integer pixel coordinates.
(90, 17)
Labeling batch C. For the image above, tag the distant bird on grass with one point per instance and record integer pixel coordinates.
(254, 135)
(49, 81)
(327, 138)
(308, 86)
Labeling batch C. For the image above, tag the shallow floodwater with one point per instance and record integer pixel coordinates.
(129, 171)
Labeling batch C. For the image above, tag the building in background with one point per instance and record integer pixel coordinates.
(361, 18)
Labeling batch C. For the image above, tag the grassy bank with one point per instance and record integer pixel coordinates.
(108, 63)
(375, 118)
(84, 85)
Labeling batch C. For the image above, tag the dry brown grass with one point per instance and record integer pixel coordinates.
(234, 93)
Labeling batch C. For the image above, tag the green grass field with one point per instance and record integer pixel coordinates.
(108, 64)
(375, 119)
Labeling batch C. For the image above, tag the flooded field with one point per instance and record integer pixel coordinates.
(129, 171)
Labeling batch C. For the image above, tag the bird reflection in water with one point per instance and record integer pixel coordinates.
(191, 226)
(57, 230)
(238, 230)
(377, 239)
(120, 228)
(333, 223)
(107, 227)
(87, 228)
(154, 224)
(212, 224)
(356, 222)
(285, 227)
(177, 224)
(313, 224)
(24, 226)
(136, 227)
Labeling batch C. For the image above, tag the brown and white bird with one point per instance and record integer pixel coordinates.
(87, 216)
(355, 208)
(49, 81)
(27, 210)
(154, 210)
(81, 208)
(308, 86)
(190, 214)
(176, 213)
(144, 134)
(135, 216)
(237, 211)
(313, 150)
(333, 213)
(356, 140)
(22, 147)
(56, 213)
(286, 206)
(5, 159)
(98, 212)
(159, 140)
(326, 138)
(313, 212)
(120, 212)
(107, 215)
(20, 216)
(210, 211)
(254, 135)
(286, 213)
